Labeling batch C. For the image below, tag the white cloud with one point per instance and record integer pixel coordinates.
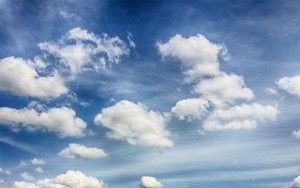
(243, 116)
(80, 151)
(150, 182)
(194, 108)
(26, 176)
(296, 133)
(295, 183)
(20, 77)
(198, 55)
(62, 121)
(290, 85)
(135, 123)
(1, 181)
(39, 169)
(80, 49)
(224, 89)
(74, 179)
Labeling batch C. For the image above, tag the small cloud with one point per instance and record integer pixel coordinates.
(39, 169)
(26, 176)
(80, 151)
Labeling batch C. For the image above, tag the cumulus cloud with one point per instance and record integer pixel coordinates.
(198, 55)
(194, 108)
(62, 121)
(74, 179)
(225, 88)
(80, 151)
(219, 94)
(295, 183)
(79, 49)
(150, 182)
(243, 116)
(135, 123)
(290, 85)
(21, 78)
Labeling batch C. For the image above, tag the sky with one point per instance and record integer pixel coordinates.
(149, 94)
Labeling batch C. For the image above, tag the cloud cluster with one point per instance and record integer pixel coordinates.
(79, 49)
(219, 94)
(150, 182)
(134, 123)
(62, 121)
(80, 151)
(21, 78)
(74, 179)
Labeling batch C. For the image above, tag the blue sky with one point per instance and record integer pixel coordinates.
(149, 94)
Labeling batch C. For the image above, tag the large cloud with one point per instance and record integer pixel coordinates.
(20, 77)
(134, 123)
(80, 151)
(290, 85)
(295, 183)
(80, 49)
(198, 55)
(218, 92)
(62, 121)
(150, 182)
(195, 108)
(71, 179)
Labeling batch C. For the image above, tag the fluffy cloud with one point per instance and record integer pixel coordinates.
(80, 49)
(62, 121)
(198, 55)
(74, 179)
(219, 93)
(290, 85)
(224, 89)
(81, 151)
(295, 183)
(134, 123)
(150, 182)
(189, 109)
(243, 116)
(20, 77)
